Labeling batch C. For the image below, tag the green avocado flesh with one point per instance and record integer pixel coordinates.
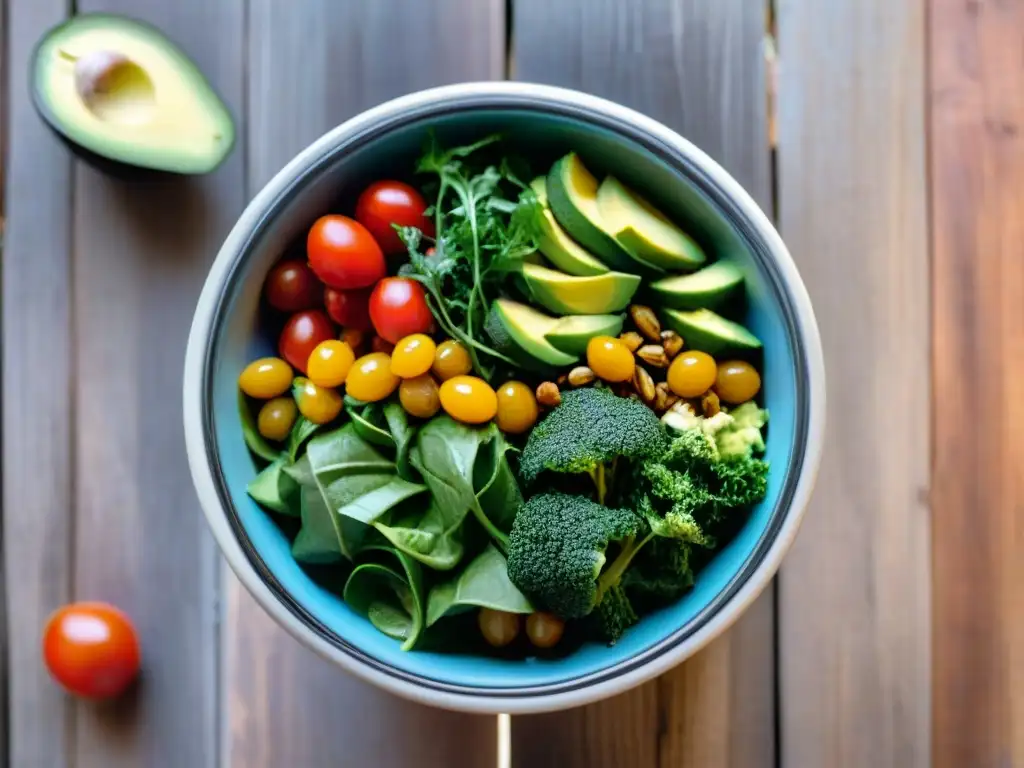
(569, 295)
(707, 288)
(560, 249)
(118, 89)
(518, 331)
(572, 333)
(644, 231)
(707, 331)
(572, 196)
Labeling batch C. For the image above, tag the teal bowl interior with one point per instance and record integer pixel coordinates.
(684, 190)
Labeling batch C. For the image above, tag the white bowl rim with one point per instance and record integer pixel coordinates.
(481, 702)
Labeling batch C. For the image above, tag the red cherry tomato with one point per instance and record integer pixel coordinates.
(349, 309)
(384, 203)
(398, 307)
(301, 334)
(291, 286)
(343, 253)
(91, 649)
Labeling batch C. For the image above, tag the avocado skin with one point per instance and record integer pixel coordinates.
(107, 165)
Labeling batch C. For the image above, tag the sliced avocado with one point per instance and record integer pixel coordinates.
(572, 196)
(644, 231)
(517, 330)
(564, 252)
(572, 333)
(119, 93)
(708, 331)
(569, 295)
(707, 288)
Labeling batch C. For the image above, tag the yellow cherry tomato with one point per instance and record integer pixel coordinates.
(451, 359)
(318, 404)
(737, 381)
(329, 363)
(692, 373)
(468, 399)
(370, 378)
(266, 378)
(610, 359)
(413, 356)
(517, 407)
(544, 629)
(499, 628)
(276, 418)
(419, 396)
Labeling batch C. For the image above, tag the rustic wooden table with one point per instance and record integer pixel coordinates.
(894, 635)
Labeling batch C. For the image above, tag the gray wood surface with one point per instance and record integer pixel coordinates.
(38, 489)
(698, 67)
(854, 592)
(141, 252)
(314, 63)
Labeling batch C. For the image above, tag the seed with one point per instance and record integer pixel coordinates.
(548, 394)
(646, 321)
(644, 384)
(580, 376)
(672, 342)
(632, 340)
(562, 380)
(710, 404)
(664, 397)
(653, 354)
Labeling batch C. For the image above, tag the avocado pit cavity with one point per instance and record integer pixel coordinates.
(114, 88)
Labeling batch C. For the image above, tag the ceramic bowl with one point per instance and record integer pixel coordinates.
(326, 176)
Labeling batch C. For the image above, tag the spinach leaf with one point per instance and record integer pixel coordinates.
(390, 598)
(323, 531)
(370, 424)
(275, 489)
(402, 432)
(498, 491)
(256, 442)
(446, 455)
(482, 583)
(355, 479)
(302, 430)
(433, 537)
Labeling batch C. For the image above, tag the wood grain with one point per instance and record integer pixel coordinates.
(38, 489)
(141, 252)
(854, 591)
(697, 67)
(286, 706)
(977, 185)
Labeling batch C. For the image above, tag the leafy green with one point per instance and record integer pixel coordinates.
(275, 489)
(402, 433)
(483, 582)
(301, 431)
(256, 442)
(434, 536)
(370, 424)
(486, 225)
(323, 532)
(390, 597)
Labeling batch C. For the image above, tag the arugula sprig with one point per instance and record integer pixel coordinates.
(485, 220)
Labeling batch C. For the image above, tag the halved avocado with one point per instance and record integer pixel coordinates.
(518, 330)
(569, 295)
(572, 195)
(707, 288)
(708, 331)
(572, 333)
(560, 249)
(644, 231)
(119, 92)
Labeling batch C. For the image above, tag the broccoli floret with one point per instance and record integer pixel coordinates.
(661, 573)
(557, 550)
(590, 431)
(614, 615)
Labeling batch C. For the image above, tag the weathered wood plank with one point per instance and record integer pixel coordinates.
(854, 592)
(313, 63)
(141, 252)
(698, 68)
(977, 178)
(38, 488)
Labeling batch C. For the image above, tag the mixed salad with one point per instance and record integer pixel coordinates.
(521, 403)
